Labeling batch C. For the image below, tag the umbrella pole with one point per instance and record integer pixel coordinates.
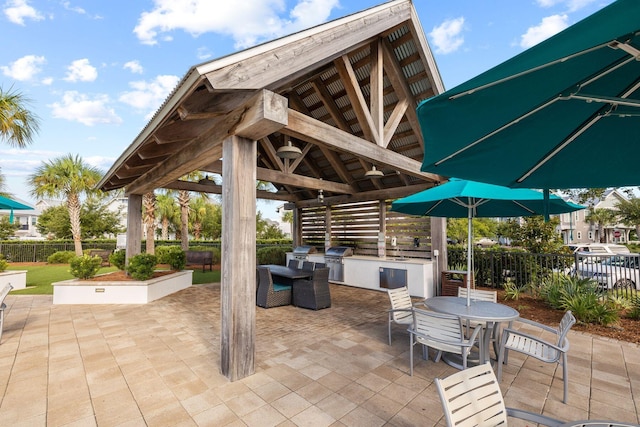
(469, 253)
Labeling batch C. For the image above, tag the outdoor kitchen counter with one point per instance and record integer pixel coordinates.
(364, 272)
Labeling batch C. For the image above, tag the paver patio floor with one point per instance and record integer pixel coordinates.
(159, 365)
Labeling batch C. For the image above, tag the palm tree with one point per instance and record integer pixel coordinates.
(149, 203)
(629, 213)
(602, 217)
(67, 177)
(167, 211)
(184, 196)
(198, 209)
(18, 125)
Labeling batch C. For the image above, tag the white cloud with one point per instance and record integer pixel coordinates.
(148, 96)
(81, 70)
(77, 9)
(134, 67)
(87, 110)
(549, 26)
(100, 162)
(25, 68)
(447, 37)
(261, 19)
(203, 53)
(47, 81)
(572, 5)
(17, 11)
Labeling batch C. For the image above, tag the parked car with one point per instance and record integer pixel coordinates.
(598, 248)
(613, 272)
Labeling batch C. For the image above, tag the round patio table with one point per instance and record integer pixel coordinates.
(491, 313)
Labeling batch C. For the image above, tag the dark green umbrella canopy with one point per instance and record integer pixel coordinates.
(562, 114)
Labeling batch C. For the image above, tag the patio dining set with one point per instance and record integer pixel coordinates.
(461, 334)
(304, 284)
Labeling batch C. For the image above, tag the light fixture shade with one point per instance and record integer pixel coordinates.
(320, 196)
(289, 151)
(374, 173)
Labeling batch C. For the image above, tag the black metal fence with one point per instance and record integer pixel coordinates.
(619, 273)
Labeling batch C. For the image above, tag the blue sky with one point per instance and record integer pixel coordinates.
(96, 71)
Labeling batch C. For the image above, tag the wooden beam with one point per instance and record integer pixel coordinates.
(207, 147)
(396, 77)
(384, 194)
(303, 181)
(238, 281)
(319, 133)
(377, 90)
(351, 85)
(394, 120)
(217, 189)
(287, 59)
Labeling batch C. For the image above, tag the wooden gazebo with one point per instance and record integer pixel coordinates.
(344, 93)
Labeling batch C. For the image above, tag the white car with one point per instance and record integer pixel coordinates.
(598, 248)
(613, 272)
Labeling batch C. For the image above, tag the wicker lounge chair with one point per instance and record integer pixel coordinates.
(314, 293)
(270, 294)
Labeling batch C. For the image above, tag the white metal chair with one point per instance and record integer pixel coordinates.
(546, 351)
(480, 295)
(442, 332)
(5, 291)
(401, 308)
(472, 398)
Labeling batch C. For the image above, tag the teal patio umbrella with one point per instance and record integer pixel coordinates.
(562, 114)
(11, 205)
(459, 198)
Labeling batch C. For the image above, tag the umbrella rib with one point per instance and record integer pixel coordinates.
(500, 129)
(559, 148)
(531, 70)
(524, 207)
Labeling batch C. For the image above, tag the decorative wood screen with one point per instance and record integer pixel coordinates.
(358, 224)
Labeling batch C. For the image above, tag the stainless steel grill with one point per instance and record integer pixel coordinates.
(301, 253)
(334, 258)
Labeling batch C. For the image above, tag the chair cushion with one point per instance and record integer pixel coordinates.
(277, 287)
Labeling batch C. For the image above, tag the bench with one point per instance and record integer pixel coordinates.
(102, 253)
(200, 257)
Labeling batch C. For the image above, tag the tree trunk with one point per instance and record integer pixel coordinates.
(165, 228)
(149, 202)
(183, 200)
(73, 205)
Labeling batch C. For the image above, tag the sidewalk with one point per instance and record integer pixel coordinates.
(158, 365)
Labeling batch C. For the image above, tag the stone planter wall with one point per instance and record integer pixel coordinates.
(76, 291)
(15, 278)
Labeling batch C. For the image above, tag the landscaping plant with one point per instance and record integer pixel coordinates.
(84, 267)
(61, 257)
(175, 257)
(3, 264)
(141, 266)
(118, 258)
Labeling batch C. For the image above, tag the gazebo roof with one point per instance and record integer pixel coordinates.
(349, 89)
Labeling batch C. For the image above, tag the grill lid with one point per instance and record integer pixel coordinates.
(339, 251)
(305, 249)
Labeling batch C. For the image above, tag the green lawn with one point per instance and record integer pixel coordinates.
(40, 277)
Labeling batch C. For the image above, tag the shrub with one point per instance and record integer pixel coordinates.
(3, 264)
(582, 296)
(176, 258)
(162, 253)
(141, 266)
(271, 255)
(84, 267)
(634, 312)
(61, 257)
(118, 258)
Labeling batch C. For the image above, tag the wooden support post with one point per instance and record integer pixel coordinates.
(438, 243)
(327, 228)
(134, 225)
(238, 282)
(382, 231)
